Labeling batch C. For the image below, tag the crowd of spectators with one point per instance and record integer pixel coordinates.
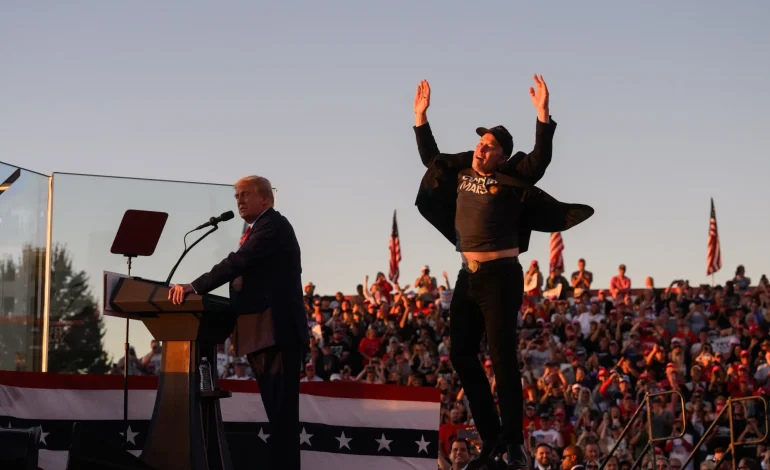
(588, 358)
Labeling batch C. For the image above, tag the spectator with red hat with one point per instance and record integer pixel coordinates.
(533, 282)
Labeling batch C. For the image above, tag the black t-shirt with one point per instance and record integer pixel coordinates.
(605, 359)
(414, 332)
(745, 450)
(327, 365)
(591, 346)
(721, 434)
(487, 214)
(657, 369)
(338, 348)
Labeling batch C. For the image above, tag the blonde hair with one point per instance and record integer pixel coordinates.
(261, 184)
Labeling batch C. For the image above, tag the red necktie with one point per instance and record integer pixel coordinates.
(245, 234)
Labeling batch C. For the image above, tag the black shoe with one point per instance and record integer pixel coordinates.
(518, 458)
(489, 451)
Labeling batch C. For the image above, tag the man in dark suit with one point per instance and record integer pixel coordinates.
(485, 203)
(271, 328)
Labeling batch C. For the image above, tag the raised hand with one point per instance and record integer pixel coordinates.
(540, 97)
(422, 102)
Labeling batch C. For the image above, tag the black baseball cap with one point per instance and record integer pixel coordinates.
(501, 135)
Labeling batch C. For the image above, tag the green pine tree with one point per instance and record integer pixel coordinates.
(78, 347)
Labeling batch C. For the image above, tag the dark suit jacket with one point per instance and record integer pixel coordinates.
(437, 196)
(269, 305)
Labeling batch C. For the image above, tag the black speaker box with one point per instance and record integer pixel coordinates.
(18, 448)
(89, 450)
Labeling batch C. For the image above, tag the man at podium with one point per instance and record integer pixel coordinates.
(271, 329)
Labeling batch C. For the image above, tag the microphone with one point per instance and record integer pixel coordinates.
(215, 220)
(211, 223)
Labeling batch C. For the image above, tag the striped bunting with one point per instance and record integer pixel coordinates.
(344, 425)
(317, 437)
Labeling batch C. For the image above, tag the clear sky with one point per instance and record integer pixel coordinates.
(660, 106)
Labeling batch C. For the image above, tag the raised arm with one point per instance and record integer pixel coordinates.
(426, 144)
(531, 166)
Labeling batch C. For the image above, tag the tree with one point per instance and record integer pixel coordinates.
(77, 329)
(15, 331)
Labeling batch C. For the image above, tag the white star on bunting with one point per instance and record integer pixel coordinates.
(423, 444)
(304, 437)
(43, 435)
(131, 435)
(344, 441)
(262, 435)
(384, 443)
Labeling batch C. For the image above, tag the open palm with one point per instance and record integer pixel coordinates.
(540, 95)
(422, 98)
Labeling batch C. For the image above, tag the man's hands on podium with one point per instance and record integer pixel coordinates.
(178, 292)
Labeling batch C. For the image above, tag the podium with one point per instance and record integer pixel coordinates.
(186, 431)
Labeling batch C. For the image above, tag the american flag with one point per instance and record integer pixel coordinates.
(395, 251)
(556, 260)
(714, 254)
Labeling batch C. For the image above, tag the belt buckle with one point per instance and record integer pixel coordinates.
(472, 266)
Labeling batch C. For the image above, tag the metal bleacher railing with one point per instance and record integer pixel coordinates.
(645, 405)
(733, 444)
(650, 446)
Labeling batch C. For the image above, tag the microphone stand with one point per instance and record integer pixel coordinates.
(126, 346)
(187, 250)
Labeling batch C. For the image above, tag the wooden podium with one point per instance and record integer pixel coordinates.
(186, 431)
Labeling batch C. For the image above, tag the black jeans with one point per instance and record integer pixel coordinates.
(489, 300)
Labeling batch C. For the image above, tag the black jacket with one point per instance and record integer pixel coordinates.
(270, 265)
(437, 196)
